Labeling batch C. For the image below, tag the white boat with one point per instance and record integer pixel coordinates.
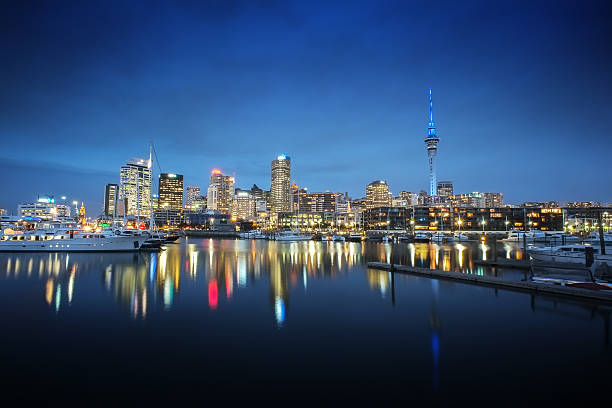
(461, 237)
(291, 236)
(338, 238)
(568, 254)
(422, 237)
(441, 237)
(64, 240)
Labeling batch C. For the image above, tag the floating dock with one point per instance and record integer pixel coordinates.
(522, 286)
(506, 263)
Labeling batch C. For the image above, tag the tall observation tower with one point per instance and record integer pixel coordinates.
(431, 141)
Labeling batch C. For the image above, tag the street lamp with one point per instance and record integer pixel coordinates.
(507, 222)
(483, 222)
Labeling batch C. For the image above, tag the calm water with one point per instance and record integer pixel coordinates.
(226, 319)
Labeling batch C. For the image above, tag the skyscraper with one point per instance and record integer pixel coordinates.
(193, 194)
(431, 141)
(220, 191)
(280, 184)
(170, 191)
(110, 199)
(377, 194)
(135, 186)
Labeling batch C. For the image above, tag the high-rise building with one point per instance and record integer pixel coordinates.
(280, 183)
(377, 194)
(170, 191)
(135, 186)
(110, 199)
(220, 191)
(445, 188)
(431, 141)
(244, 205)
(193, 194)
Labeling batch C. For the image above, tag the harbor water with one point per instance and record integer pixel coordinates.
(213, 319)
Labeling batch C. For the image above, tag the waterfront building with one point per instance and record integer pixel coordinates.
(111, 192)
(583, 204)
(170, 187)
(280, 184)
(321, 202)
(298, 199)
(445, 188)
(431, 142)
(243, 206)
(387, 218)
(377, 194)
(220, 191)
(44, 208)
(478, 200)
(193, 194)
(135, 187)
(464, 218)
(306, 221)
(168, 217)
(261, 195)
(2, 212)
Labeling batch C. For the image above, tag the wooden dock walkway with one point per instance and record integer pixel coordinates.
(506, 263)
(522, 286)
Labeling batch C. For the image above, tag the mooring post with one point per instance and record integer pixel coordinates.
(602, 242)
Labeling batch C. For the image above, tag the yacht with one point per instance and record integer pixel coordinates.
(338, 238)
(421, 237)
(459, 236)
(69, 240)
(355, 237)
(291, 236)
(572, 254)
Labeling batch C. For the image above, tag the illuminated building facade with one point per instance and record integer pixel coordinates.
(45, 209)
(244, 206)
(431, 142)
(193, 193)
(220, 191)
(170, 191)
(445, 188)
(322, 202)
(467, 219)
(111, 191)
(135, 186)
(280, 184)
(377, 194)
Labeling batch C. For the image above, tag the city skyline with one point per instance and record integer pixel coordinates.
(521, 110)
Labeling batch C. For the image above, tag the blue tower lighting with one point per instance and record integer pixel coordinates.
(431, 142)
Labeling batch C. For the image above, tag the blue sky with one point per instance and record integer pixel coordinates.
(522, 94)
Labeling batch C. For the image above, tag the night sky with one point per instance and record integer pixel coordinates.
(522, 94)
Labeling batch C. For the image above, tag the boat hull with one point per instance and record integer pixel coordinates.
(115, 244)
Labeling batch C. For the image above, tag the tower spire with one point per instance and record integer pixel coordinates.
(431, 122)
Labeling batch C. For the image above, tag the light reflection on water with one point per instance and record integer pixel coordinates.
(135, 280)
(291, 297)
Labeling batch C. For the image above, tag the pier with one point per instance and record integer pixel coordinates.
(522, 286)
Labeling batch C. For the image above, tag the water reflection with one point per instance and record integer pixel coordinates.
(152, 281)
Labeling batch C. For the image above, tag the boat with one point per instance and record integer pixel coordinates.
(355, 237)
(461, 236)
(69, 240)
(441, 237)
(291, 236)
(569, 254)
(338, 238)
(421, 237)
